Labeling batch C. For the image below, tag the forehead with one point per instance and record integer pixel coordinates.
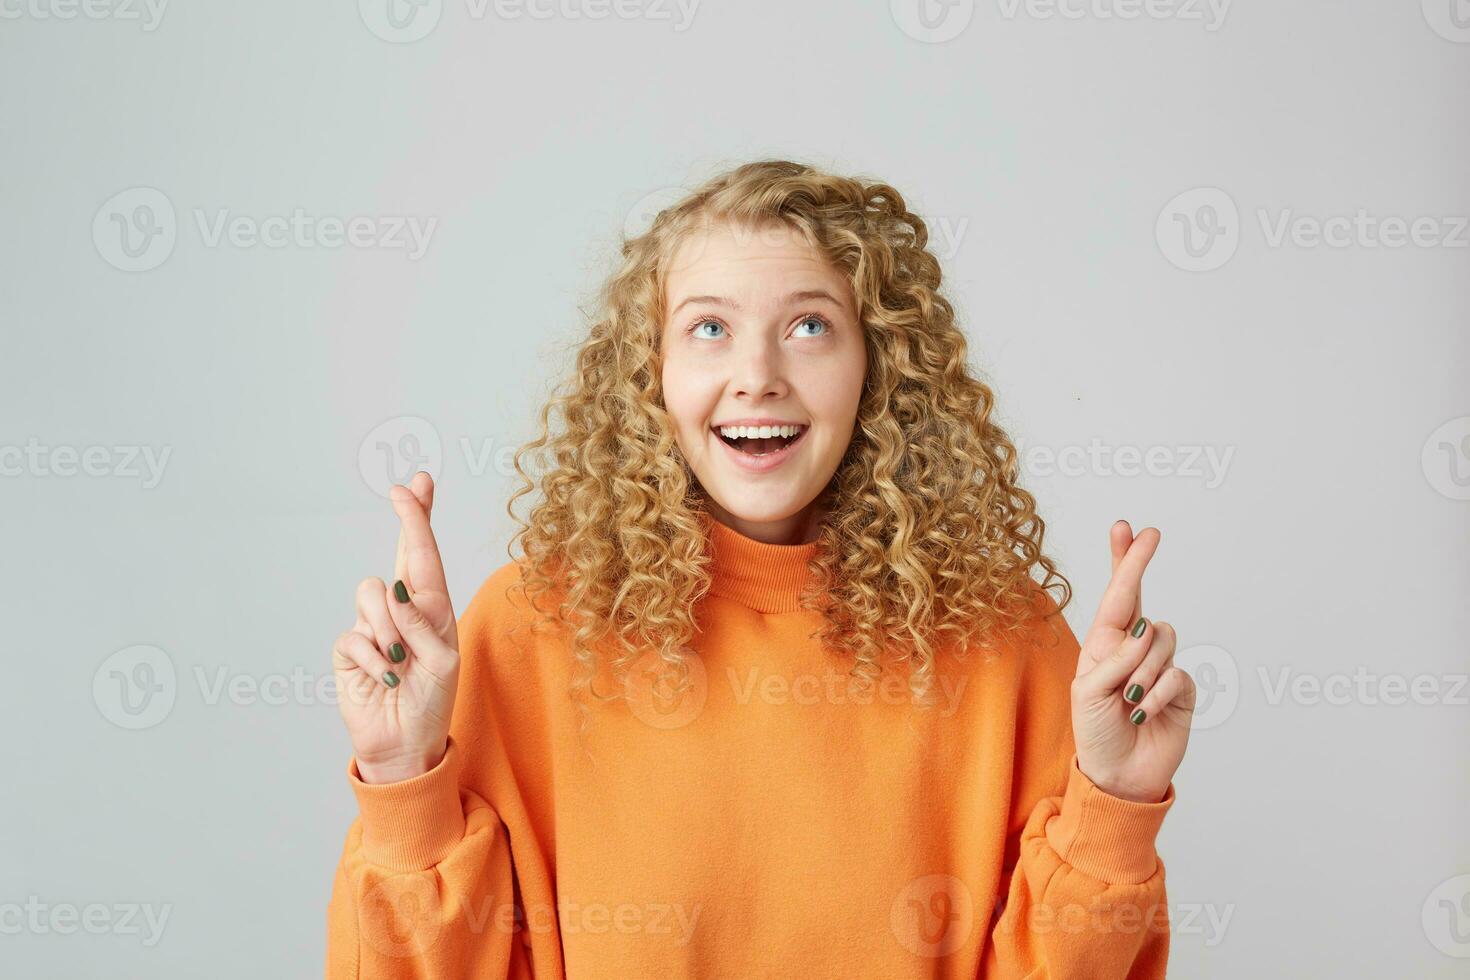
(722, 258)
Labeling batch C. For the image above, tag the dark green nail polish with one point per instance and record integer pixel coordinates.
(391, 679)
(396, 654)
(1133, 695)
(400, 592)
(1137, 716)
(1137, 630)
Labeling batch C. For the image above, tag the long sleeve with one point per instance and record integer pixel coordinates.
(1083, 887)
(1086, 897)
(426, 886)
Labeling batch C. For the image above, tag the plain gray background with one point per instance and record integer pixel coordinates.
(170, 750)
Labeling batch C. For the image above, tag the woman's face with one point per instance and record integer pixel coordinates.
(761, 330)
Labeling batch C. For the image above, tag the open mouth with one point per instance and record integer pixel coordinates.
(752, 443)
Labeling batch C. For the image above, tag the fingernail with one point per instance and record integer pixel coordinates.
(391, 679)
(396, 654)
(400, 592)
(1136, 631)
(1133, 695)
(1137, 716)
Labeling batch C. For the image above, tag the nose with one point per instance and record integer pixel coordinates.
(759, 371)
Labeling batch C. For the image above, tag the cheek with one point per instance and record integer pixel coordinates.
(683, 398)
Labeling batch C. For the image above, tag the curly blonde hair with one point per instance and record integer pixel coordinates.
(927, 534)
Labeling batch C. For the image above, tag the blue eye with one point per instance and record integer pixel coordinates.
(813, 319)
(706, 323)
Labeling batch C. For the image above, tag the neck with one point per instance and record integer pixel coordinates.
(766, 577)
(803, 527)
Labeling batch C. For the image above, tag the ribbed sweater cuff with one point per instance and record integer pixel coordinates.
(413, 824)
(1104, 836)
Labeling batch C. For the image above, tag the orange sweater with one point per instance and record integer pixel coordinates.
(765, 823)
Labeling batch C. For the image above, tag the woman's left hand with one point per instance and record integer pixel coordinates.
(1131, 706)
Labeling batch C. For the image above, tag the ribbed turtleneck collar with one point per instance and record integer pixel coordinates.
(765, 577)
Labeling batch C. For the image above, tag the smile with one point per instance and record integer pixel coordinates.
(761, 448)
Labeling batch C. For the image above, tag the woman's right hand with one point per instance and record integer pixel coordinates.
(398, 667)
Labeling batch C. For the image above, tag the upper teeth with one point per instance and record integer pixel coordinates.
(759, 431)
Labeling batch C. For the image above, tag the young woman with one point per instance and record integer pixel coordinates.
(773, 690)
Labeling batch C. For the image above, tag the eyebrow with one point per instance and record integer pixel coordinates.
(796, 297)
